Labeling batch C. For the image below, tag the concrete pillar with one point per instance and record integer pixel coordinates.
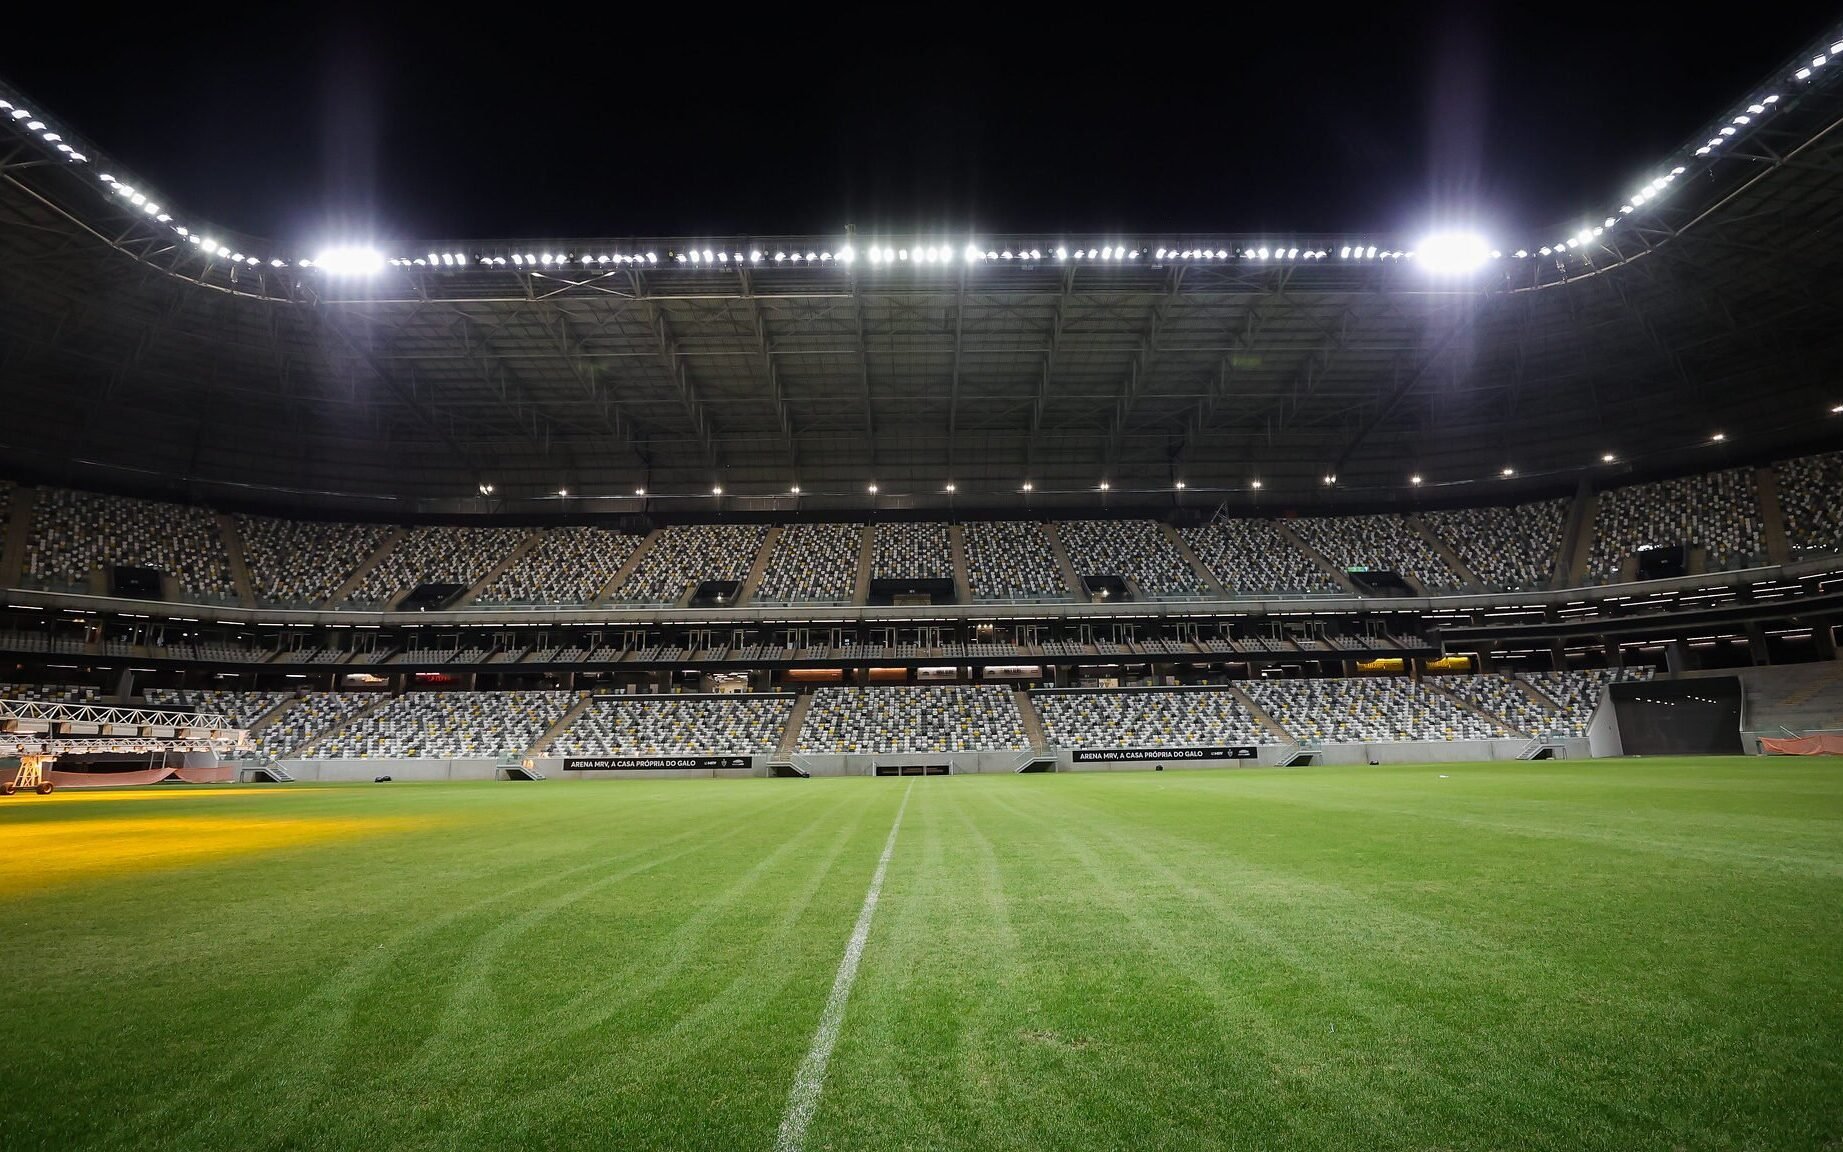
(1675, 657)
(1558, 656)
(1824, 639)
(1614, 657)
(1756, 645)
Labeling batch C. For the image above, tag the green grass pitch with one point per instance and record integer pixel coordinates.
(1610, 955)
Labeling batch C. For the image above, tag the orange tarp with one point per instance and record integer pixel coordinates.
(1824, 744)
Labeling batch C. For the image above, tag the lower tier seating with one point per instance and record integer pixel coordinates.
(1149, 718)
(1367, 710)
(734, 725)
(926, 718)
(451, 724)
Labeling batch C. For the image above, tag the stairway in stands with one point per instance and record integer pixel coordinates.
(239, 566)
(758, 567)
(621, 574)
(531, 540)
(867, 551)
(363, 570)
(1260, 714)
(790, 735)
(1063, 564)
(542, 744)
(1033, 723)
(1447, 553)
(1197, 566)
(1341, 577)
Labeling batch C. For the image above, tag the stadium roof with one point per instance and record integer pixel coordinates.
(1695, 320)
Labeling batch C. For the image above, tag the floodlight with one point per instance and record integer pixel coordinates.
(1453, 253)
(346, 261)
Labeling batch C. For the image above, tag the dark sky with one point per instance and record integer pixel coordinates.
(297, 122)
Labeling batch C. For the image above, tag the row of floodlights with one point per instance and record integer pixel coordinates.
(1445, 252)
(1457, 252)
(35, 125)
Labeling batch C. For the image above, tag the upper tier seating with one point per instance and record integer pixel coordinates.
(1149, 718)
(1384, 542)
(244, 708)
(1253, 558)
(925, 718)
(436, 555)
(1512, 549)
(75, 533)
(450, 724)
(1718, 510)
(568, 566)
(1136, 549)
(813, 562)
(304, 561)
(685, 555)
(732, 725)
(1505, 699)
(911, 551)
(1366, 710)
(1811, 498)
(1577, 693)
(1012, 560)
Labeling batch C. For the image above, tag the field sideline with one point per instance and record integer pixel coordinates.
(1614, 954)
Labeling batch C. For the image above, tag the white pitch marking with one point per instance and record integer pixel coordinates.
(803, 1098)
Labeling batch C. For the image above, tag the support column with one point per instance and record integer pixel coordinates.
(1756, 645)
(1614, 657)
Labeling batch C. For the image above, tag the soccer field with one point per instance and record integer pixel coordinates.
(1617, 955)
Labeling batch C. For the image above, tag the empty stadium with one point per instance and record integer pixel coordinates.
(927, 686)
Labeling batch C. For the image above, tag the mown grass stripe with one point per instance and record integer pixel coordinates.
(809, 1081)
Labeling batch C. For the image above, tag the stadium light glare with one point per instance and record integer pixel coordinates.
(716, 489)
(563, 491)
(1836, 410)
(795, 489)
(1718, 438)
(873, 488)
(1507, 472)
(1105, 486)
(1415, 479)
(1028, 486)
(1608, 458)
(345, 261)
(1180, 485)
(639, 491)
(847, 254)
(1330, 480)
(1255, 483)
(952, 487)
(1453, 253)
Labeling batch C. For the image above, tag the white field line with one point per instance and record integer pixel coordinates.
(809, 1081)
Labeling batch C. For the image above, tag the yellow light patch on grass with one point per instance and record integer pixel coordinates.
(87, 848)
(68, 794)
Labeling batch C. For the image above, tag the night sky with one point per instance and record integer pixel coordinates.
(298, 125)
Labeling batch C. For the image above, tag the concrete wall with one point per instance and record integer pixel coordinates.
(468, 769)
(960, 763)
